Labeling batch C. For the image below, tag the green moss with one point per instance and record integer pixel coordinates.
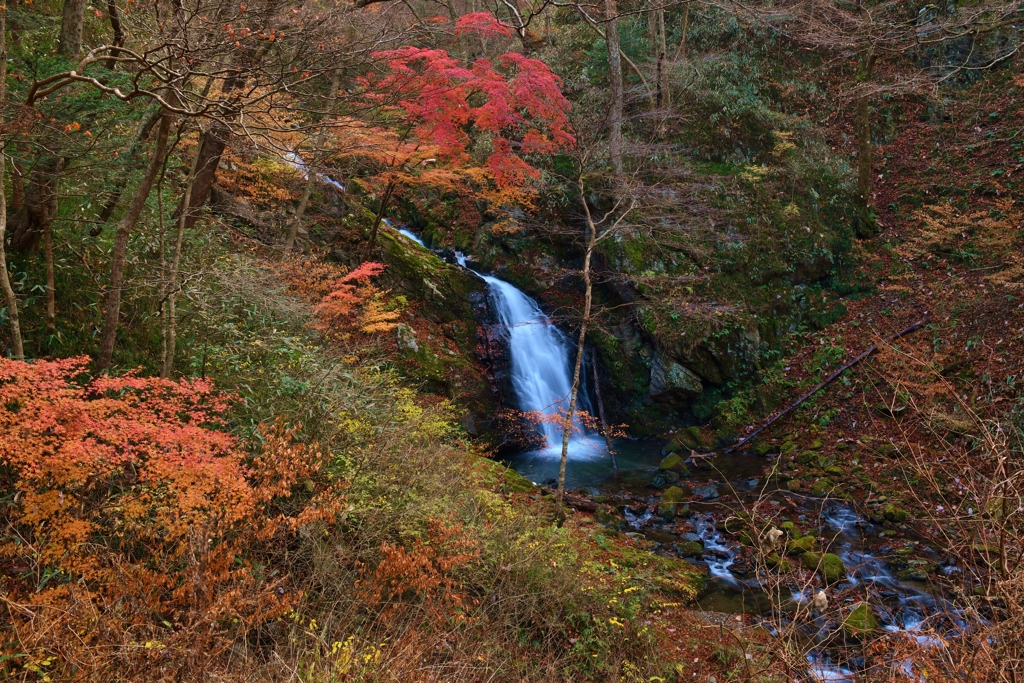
(829, 566)
(799, 546)
(861, 621)
(674, 463)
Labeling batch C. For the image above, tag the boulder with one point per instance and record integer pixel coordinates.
(799, 546)
(671, 502)
(406, 338)
(829, 566)
(706, 492)
(690, 549)
(671, 381)
(674, 462)
(895, 514)
(780, 563)
(861, 621)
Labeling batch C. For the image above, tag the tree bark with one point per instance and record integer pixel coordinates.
(124, 228)
(214, 141)
(867, 225)
(300, 210)
(663, 99)
(71, 29)
(380, 213)
(115, 25)
(17, 348)
(615, 82)
(173, 285)
(681, 50)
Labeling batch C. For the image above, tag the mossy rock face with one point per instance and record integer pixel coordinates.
(794, 485)
(799, 546)
(816, 445)
(763, 448)
(674, 463)
(790, 529)
(834, 471)
(787, 447)
(830, 567)
(861, 621)
(807, 458)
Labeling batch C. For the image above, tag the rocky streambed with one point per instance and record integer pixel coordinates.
(830, 570)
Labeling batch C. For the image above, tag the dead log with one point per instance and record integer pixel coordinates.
(824, 383)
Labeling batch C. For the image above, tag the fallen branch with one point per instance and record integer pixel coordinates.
(825, 382)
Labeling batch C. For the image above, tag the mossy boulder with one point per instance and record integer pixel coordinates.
(816, 445)
(861, 621)
(789, 528)
(821, 488)
(673, 462)
(895, 514)
(672, 501)
(834, 470)
(829, 566)
(690, 549)
(780, 563)
(799, 546)
(764, 448)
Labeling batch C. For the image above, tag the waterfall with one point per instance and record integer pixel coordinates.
(541, 361)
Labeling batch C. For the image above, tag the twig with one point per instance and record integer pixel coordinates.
(825, 382)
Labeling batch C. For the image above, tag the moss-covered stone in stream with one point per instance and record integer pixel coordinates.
(861, 621)
(799, 546)
(828, 565)
(673, 462)
(672, 502)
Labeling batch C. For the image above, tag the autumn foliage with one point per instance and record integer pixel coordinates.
(515, 100)
(133, 518)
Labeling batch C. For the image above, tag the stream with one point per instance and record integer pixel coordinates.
(541, 359)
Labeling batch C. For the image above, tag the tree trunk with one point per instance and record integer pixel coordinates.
(663, 96)
(584, 322)
(71, 29)
(214, 141)
(115, 25)
(17, 348)
(51, 315)
(124, 228)
(141, 135)
(172, 290)
(681, 50)
(615, 83)
(380, 213)
(600, 413)
(867, 225)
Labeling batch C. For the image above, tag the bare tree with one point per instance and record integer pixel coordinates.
(597, 231)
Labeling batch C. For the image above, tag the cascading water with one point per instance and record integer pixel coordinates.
(540, 360)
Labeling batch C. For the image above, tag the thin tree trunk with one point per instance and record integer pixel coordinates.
(380, 213)
(51, 315)
(615, 81)
(600, 413)
(663, 94)
(124, 228)
(17, 348)
(867, 225)
(172, 292)
(584, 322)
(681, 50)
(71, 28)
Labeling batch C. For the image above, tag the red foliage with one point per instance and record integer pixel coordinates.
(133, 517)
(352, 293)
(518, 102)
(483, 23)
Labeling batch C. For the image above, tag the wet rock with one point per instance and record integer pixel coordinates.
(706, 492)
(691, 537)
(763, 448)
(861, 621)
(674, 463)
(821, 488)
(664, 478)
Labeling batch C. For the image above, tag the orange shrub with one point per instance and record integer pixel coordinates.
(136, 530)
